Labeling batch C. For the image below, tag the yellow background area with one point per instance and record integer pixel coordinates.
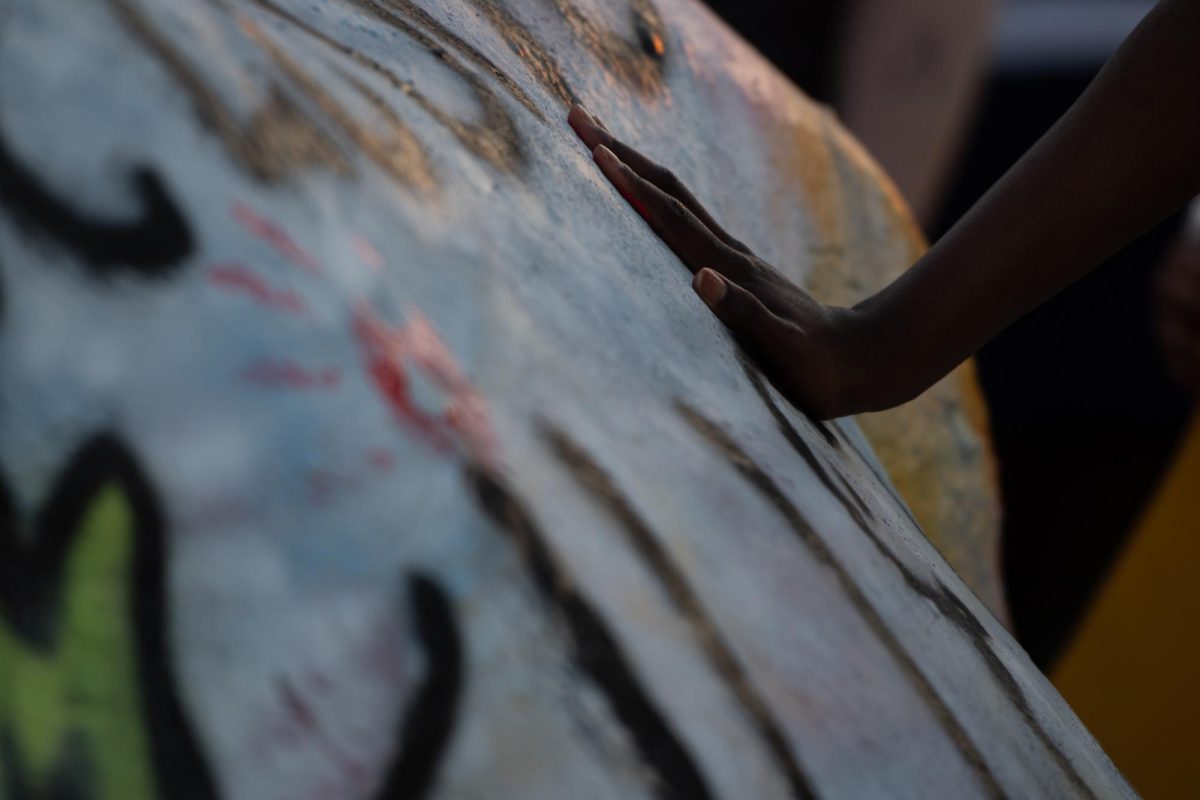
(1132, 672)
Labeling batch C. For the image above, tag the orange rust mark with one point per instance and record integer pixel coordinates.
(628, 61)
(657, 45)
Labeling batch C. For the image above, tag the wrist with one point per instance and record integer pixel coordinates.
(854, 355)
(878, 370)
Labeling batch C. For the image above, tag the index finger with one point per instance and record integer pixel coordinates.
(674, 223)
(594, 135)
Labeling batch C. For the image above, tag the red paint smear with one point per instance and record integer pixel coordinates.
(386, 368)
(288, 375)
(237, 278)
(275, 236)
(637, 204)
(391, 351)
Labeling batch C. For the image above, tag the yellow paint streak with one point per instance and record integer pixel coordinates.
(86, 691)
(1131, 672)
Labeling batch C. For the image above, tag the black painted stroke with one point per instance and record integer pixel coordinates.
(849, 499)
(149, 246)
(820, 550)
(431, 716)
(31, 576)
(948, 604)
(594, 649)
(687, 602)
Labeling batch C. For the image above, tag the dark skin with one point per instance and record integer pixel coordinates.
(1124, 157)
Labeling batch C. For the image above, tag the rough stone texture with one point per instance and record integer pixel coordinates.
(934, 447)
(356, 440)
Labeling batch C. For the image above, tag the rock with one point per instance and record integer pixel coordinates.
(356, 440)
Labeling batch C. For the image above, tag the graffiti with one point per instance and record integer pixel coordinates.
(280, 137)
(753, 474)
(87, 701)
(637, 66)
(430, 718)
(947, 603)
(494, 138)
(275, 236)
(399, 152)
(149, 246)
(390, 352)
(290, 375)
(720, 654)
(595, 650)
(239, 280)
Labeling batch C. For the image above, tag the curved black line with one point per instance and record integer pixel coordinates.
(851, 502)
(820, 550)
(149, 246)
(432, 714)
(725, 662)
(594, 649)
(31, 587)
(948, 604)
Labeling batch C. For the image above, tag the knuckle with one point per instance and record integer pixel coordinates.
(669, 180)
(674, 213)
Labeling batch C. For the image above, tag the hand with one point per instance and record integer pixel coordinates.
(814, 354)
(1178, 311)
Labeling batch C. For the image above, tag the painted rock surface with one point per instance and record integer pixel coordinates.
(356, 440)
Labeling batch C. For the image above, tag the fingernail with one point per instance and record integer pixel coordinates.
(581, 115)
(605, 156)
(710, 286)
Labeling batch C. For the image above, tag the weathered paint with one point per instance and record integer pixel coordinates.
(437, 480)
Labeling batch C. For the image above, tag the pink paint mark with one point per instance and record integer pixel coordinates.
(289, 375)
(275, 236)
(298, 712)
(236, 278)
(367, 253)
(390, 352)
(300, 722)
(381, 460)
(320, 683)
(322, 486)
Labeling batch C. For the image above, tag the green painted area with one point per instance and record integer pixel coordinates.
(86, 691)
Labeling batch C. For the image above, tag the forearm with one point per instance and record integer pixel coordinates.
(1125, 156)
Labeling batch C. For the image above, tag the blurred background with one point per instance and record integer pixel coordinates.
(1091, 396)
